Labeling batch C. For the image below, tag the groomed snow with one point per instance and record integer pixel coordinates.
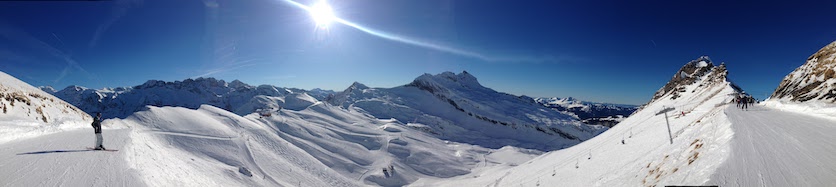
(62, 159)
(777, 148)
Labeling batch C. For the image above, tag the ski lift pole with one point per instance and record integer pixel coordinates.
(665, 111)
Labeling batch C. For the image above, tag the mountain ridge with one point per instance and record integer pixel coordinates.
(815, 80)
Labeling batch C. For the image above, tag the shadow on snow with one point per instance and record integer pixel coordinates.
(53, 151)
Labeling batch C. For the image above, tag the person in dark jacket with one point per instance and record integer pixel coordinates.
(97, 128)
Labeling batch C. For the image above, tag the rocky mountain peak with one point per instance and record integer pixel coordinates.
(813, 81)
(689, 74)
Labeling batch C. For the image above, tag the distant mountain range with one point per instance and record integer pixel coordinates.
(451, 106)
(592, 113)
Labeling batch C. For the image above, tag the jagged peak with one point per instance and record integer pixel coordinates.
(702, 61)
(47, 89)
(237, 84)
(357, 86)
(74, 88)
(463, 78)
(152, 83)
(690, 73)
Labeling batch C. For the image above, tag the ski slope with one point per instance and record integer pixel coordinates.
(62, 159)
(778, 148)
(638, 151)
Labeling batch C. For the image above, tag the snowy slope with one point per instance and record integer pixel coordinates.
(456, 107)
(637, 152)
(28, 111)
(453, 107)
(321, 145)
(298, 142)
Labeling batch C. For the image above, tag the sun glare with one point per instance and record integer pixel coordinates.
(322, 14)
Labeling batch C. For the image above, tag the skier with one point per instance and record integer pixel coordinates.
(97, 128)
(745, 103)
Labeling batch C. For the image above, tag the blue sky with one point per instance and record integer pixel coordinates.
(608, 51)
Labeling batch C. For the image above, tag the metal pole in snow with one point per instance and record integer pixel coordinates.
(666, 110)
(669, 127)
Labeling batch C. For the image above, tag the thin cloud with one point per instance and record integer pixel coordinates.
(227, 68)
(16, 35)
(119, 9)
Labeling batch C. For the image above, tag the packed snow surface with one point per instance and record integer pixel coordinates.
(771, 147)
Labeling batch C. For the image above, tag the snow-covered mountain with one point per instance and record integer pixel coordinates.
(321, 94)
(638, 152)
(27, 111)
(452, 107)
(234, 96)
(315, 144)
(456, 107)
(590, 112)
(813, 81)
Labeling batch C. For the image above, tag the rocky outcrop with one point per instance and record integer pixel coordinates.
(813, 81)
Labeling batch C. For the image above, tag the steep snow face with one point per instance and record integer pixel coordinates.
(586, 110)
(815, 81)
(322, 145)
(638, 151)
(456, 107)
(27, 111)
(191, 93)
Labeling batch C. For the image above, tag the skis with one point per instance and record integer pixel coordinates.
(94, 149)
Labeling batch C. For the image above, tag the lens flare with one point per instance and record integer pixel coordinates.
(322, 14)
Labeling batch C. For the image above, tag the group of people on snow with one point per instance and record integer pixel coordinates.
(744, 101)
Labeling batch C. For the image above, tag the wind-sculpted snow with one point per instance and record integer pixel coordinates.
(456, 107)
(321, 145)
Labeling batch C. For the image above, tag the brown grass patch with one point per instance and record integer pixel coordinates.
(41, 112)
(693, 158)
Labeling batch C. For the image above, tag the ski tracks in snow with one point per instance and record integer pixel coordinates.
(61, 159)
(775, 148)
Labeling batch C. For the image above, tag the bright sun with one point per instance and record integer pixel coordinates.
(322, 14)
